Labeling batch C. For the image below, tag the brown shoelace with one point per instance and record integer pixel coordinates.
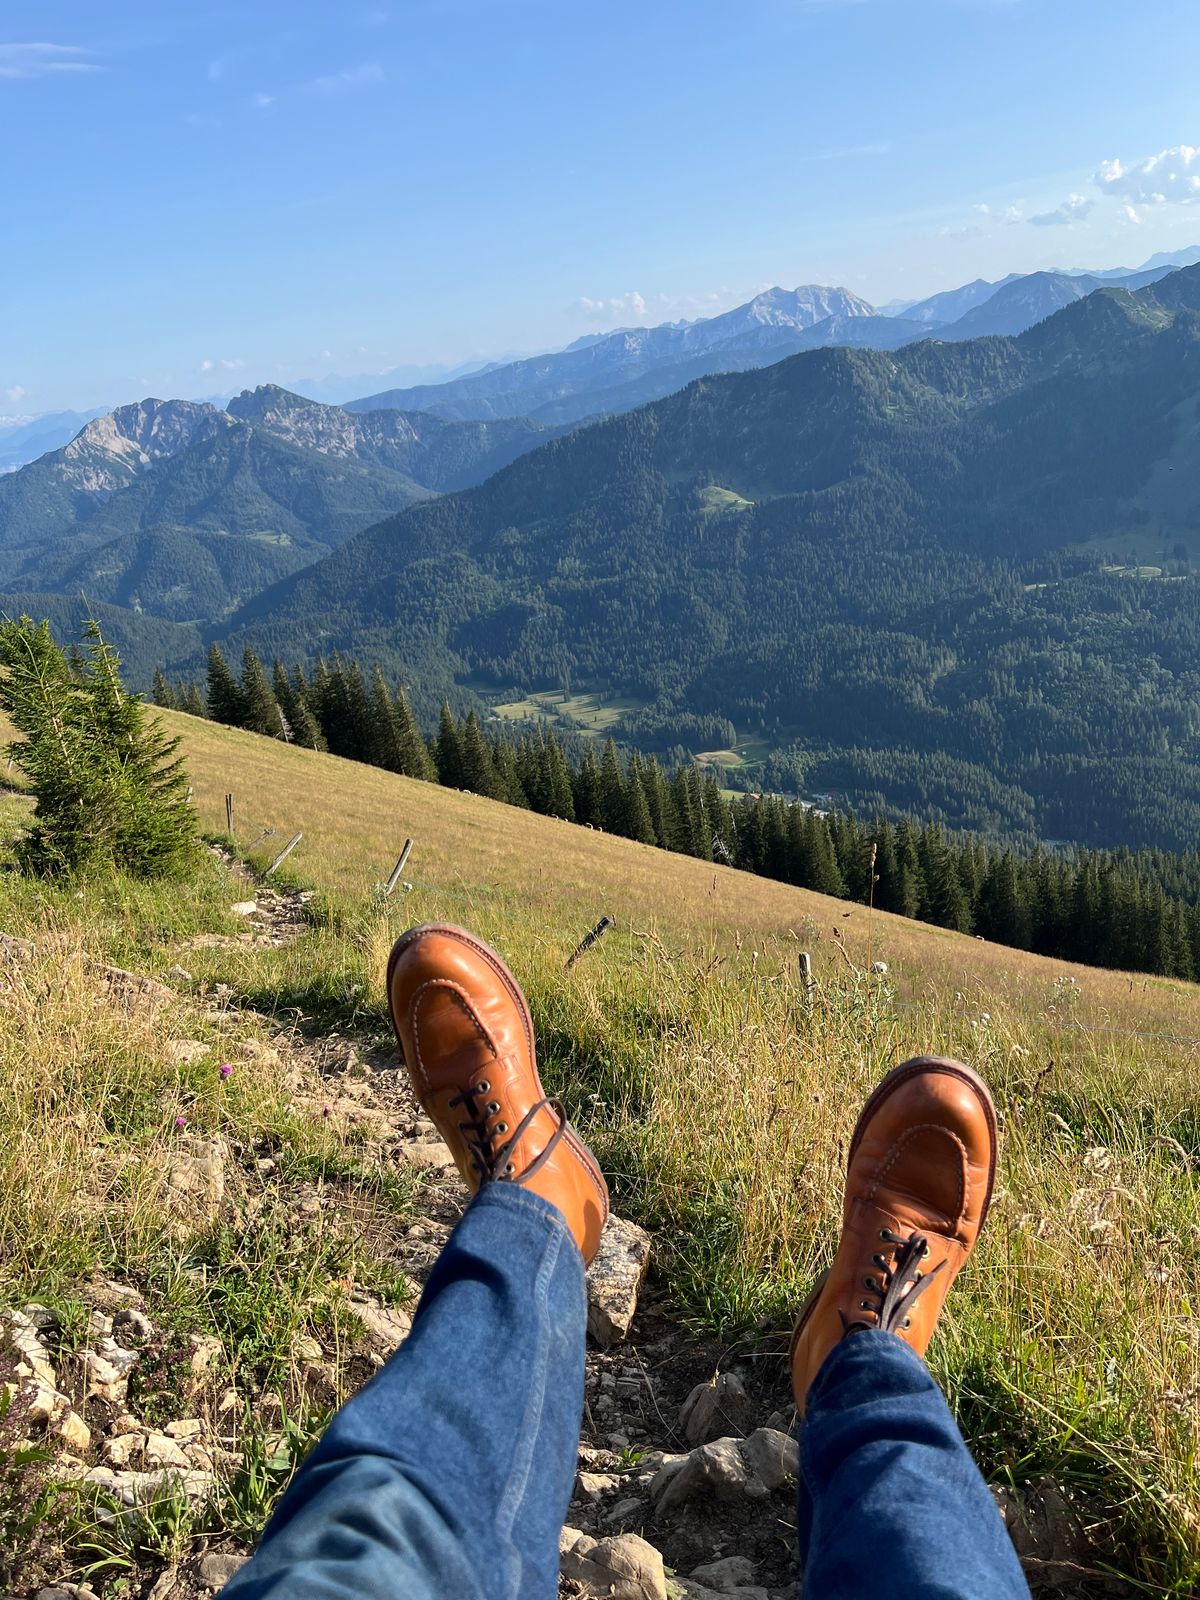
(897, 1288)
(482, 1130)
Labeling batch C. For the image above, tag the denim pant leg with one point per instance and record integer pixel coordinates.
(891, 1503)
(448, 1477)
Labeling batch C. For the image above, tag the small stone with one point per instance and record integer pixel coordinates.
(162, 1451)
(178, 974)
(196, 1180)
(614, 1278)
(102, 1378)
(1045, 1527)
(124, 1423)
(182, 1052)
(74, 1432)
(99, 1324)
(726, 1576)
(215, 1569)
(183, 1430)
(124, 1450)
(205, 1350)
(307, 1348)
(595, 1485)
(132, 1326)
(716, 1467)
(243, 908)
(40, 1402)
(390, 1325)
(624, 1510)
(716, 1409)
(773, 1458)
(199, 1456)
(620, 1567)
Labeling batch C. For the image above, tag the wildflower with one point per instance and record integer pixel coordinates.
(225, 1069)
(181, 1122)
(324, 1111)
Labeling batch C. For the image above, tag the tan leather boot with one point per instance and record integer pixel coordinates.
(918, 1185)
(467, 1039)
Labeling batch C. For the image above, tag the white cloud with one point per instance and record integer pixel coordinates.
(1170, 177)
(1075, 208)
(233, 366)
(206, 366)
(261, 101)
(225, 363)
(348, 81)
(17, 392)
(631, 306)
(43, 60)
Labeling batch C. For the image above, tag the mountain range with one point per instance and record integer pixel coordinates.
(957, 574)
(184, 510)
(606, 373)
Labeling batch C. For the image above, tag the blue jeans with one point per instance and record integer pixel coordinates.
(448, 1477)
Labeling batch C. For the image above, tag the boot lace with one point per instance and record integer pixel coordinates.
(897, 1287)
(482, 1129)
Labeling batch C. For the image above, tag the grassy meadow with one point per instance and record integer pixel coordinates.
(719, 1095)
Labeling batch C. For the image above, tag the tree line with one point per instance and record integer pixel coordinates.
(1131, 910)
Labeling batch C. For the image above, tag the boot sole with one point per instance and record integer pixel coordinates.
(897, 1076)
(449, 931)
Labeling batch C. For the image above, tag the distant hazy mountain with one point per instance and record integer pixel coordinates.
(184, 510)
(619, 370)
(952, 304)
(1022, 302)
(25, 438)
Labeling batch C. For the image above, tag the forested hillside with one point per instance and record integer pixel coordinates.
(959, 576)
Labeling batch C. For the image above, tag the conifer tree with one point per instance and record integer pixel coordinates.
(611, 790)
(557, 777)
(415, 760)
(385, 725)
(638, 823)
(163, 694)
(109, 788)
(447, 751)
(191, 700)
(586, 789)
(293, 703)
(261, 710)
(508, 776)
(225, 700)
(478, 770)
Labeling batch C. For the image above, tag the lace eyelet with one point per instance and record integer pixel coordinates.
(502, 1127)
(509, 1168)
(907, 1323)
(493, 1107)
(883, 1233)
(879, 1261)
(925, 1250)
(483, 1087)
(864, 1305)
(869, 1283)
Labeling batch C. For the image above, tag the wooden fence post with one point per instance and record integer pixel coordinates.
(590, 939)
(398, 869)
(229, 815)
(806, 976)
(283, 854)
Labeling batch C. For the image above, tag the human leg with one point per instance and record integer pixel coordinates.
(450, 1474)
(890, 1501)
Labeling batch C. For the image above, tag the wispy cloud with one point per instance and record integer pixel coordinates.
(16, 393)
(633, 307)
(844, 152)
(261, 100)
(1172, 177)
(224, 364)
(1075, 208)
(348, 81)
(44, 60)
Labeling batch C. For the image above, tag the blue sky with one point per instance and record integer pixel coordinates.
(199, 194)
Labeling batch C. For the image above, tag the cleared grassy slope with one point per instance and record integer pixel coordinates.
(721, 1101)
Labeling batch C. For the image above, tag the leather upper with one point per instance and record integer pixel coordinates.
(922, 1161)
(464, 1030)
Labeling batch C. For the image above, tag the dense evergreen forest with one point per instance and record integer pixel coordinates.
(959, 575)
(1138, 911)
